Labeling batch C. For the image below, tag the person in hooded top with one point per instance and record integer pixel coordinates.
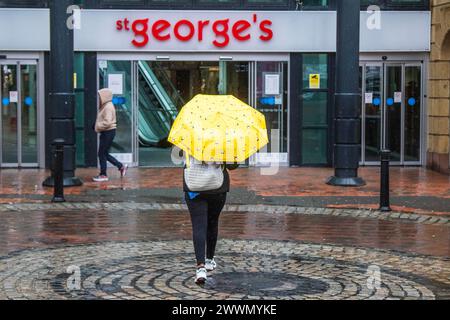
(106, 125)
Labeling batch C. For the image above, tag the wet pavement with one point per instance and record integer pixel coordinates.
(412, 189)
(284, 237)
(147, 254)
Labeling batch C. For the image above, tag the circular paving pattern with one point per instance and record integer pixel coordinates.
(246, 270)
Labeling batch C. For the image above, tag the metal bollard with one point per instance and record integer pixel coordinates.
(384, 181)
(58, 171)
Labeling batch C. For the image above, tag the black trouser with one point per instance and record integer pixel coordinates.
(205, 210)
(106, 140)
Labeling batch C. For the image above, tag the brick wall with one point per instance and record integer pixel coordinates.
(439, 88)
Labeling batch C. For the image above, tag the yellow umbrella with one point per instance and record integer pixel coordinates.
(219, 128)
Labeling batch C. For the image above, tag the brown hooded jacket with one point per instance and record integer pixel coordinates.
(106, 117)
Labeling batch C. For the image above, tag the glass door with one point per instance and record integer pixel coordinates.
(412, 112)
(166, 86)
(372, 112)
(18, 94)
(269, 96)
(391, 114)
(392, 105)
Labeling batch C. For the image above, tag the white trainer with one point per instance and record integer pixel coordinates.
(100, 178)
(200, 276)
(210, 264)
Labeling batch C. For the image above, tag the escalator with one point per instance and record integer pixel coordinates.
(157, 110)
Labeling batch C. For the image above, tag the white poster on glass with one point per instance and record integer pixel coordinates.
(13, 96)
(271, 84)
(115, 83)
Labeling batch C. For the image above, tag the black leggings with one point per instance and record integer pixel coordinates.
(205, 211)
(106, 140)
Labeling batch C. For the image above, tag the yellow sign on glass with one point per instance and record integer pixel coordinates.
(75, 80)
(314, 81)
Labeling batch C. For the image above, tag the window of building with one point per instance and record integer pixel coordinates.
(79, 106)
(314, 115)
(397, 4)
(23, 3)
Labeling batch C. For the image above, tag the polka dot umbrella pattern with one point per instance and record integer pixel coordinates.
(219, 128)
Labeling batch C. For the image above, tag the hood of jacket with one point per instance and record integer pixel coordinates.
(105, 95)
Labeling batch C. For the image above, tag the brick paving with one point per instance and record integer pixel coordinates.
(283, 237)
(142, 253)
(413, 190)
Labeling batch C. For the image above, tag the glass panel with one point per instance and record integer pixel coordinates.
(9, 114)
(170, 1)
(315, 3)
(393, 110)
(366, 3)
(315, 64)
(373, 112)
(412, 112)
(164, 88)
(123, 103)
(24, 3)
(237, 80)
(360, 91)
(79, 107)
(315, 109)
(315, 141)
(274, 107)
(121, 2)
(411, 3)
(29, 113)
(217, 1)
(273, 2)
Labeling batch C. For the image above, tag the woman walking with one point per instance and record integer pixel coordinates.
(205, 208)
(106, 125)
(214, 130)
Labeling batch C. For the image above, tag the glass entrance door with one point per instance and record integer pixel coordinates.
(18, 124)
(391, 112)
(166, 86)
(149, 94)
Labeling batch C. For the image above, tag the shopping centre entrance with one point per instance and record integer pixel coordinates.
(19, 114)
(148, 95)
(392, 112)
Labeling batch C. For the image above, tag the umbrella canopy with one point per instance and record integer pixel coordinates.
(219, 128)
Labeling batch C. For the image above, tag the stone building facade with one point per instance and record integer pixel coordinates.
(439, 95)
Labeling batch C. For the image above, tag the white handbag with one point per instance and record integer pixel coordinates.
(201, 176)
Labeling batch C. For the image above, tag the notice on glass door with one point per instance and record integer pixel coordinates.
(397, 97)
(13, 96)
(314, 81)
(115, 83)
(272, 84)
(368, 97)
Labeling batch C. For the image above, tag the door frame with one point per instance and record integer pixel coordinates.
(39, 114)
(251, 58)
(384, 65)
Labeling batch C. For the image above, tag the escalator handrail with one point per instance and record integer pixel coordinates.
(156, 86)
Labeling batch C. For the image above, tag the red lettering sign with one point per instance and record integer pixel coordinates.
(186, 30)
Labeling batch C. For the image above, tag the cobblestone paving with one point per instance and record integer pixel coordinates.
(248, 269)
(143, 251)
(272, 209)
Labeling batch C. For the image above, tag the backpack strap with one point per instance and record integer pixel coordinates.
(188, 162)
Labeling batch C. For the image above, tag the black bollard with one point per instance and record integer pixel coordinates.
(384, 181)
(58, 171)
